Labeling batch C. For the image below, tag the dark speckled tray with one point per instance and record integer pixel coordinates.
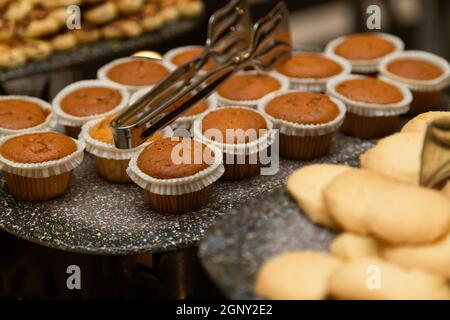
(102, 50)
(102, 218)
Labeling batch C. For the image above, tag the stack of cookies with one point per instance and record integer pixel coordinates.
(33, 29)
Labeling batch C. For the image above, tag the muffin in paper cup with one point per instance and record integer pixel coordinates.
(111, 162)
(171, 186)
(185, 120)
(424, 73)
(241, 159)
(277, 83)
(73, 122)
(142, 72)
(11, 127)
(371, 120)
(310, 71)
(179, 56)
(367, 62)
(307, 133)
(36, 180)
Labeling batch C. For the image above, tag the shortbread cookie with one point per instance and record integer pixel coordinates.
(434, 257)
(11, 57)
(306, 186)
(37, 49)
(397, 156)
(297, 275)
(365, 202)
(102, 13)
(129, 6)
(352, 246)
(64, 41)
(420, 123)
(375, 279)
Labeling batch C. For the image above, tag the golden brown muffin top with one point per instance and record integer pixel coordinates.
(416, 69)
(303, 108)
(157, 160)
(138, 73)
(234, 119)
(103, 131)
(248, 87)
(19, 114)
(86, 102)
(196, 109)
(364, 46)
(369, 90)
(309, 66)
(189, 54)
(38, 147)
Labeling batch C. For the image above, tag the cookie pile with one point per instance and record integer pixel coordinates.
(395, 240)
(33, 29)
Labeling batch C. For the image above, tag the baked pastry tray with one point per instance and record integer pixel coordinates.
(98, 217)
(102, 51)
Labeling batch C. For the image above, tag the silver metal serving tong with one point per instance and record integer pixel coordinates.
(435, 167)
(270, 45)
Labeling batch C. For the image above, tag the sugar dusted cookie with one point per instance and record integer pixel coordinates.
(375, 279)
(352, 246)
(306, 185)
(365, 202)
(297, 275)
(434, 257)
(420, 123)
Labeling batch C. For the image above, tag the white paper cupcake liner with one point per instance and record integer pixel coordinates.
(255, 146)
(303, 130)
(177, 186)
(102, 73)
(222, 101)
(104, 150)
(366, 66)
(43, 169)
(66, 119)
(168, 57)
(317, 84)
(417, 85)
(371, 109)
(48, 124)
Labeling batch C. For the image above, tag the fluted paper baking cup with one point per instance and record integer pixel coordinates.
(177, 186)
(371, 109)
(417, 85)
(102, 149)
(371, 65)
(302, 130)
(252, 147)
(66, 119)
(43, 169)
(48, 124)
(102, 73)
(222, 101)
(317, 84)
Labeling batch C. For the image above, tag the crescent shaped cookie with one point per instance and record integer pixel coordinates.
(352, 246)
(297, 275)
(364, 202)
(420, 122)
(306, 186)
(397, 156)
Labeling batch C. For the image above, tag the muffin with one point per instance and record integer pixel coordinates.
(20, 114)
(248, 88)
(86, 100)
(311, 71)
(373, 106)
(242, 134)
(176, 174)
(38, 165)
(179, 56)
(111, 163)
(134, 73)
(364, 51)
(306, 121)
(186, 119)
(425, 74)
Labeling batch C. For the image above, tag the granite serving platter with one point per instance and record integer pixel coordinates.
(98, 217)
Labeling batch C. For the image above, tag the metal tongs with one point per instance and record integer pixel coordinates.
(435, 167)
(232, 45)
